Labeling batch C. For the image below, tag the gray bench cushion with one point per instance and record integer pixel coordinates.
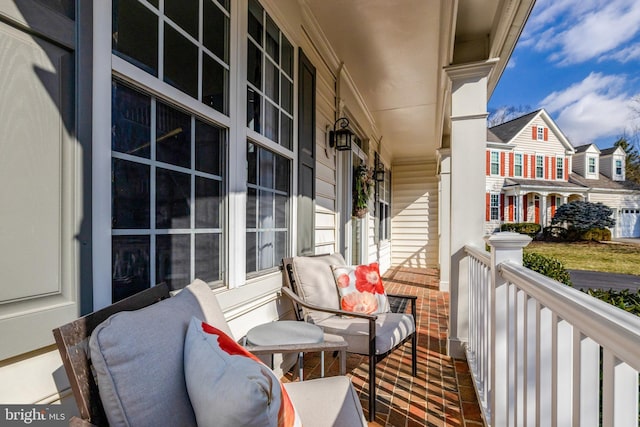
(138, 358)
(316, 284)
(391, 329)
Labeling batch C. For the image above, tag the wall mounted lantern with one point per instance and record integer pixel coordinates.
(379, 172)
(341, 138)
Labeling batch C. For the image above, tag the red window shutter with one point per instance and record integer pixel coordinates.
(554, 174)
(526, 166)
(488, 163)
(566, 169)
(501, 207)
(534, 133)
(546, 134)
(511, 161)
(546, 167)
(533, 167)
(488, 209)
(502, 164)
(525, 205)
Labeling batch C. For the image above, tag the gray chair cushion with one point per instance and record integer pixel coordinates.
(316, 284)
(138, 358)
(325, 402)
(391, 329)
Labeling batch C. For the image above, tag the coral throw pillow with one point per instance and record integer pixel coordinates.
(360, 288)
(228, 386)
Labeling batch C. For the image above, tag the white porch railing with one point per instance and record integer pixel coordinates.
(545, 354)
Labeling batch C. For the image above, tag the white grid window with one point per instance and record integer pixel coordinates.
(168, 187)
(619, 167)
(592, 165)
(495, 207)
(517, 164)
(559, 168)
(539, 166)
(495, 163)
(540, 131)
(269, 78)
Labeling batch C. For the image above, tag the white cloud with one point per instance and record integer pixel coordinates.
(576, 31)
(593, 108)
(512, 63)
(629, 53)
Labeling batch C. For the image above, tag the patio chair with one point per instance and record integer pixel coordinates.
(310, 285)
(142, 341)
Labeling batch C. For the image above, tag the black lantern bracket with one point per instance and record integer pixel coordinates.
(342, 137)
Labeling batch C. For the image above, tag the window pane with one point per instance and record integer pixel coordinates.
(287, 57)
(215, 80)
(286, 131)
(215, 30)
(173, 136)
(252, 164)
(282, 174)
(130, 265)
(254, 65)
(281, 210)
(135, 34)
(273, 40)
(251, 251)
(208, 257)
(266, 245)
(265, 210)
(173, 190)
(271, 114)
(180, 62)
(254, 100)
(287, 95)
(255, 21)
(252, 207)
(130, 195)
(266, 168)
(272, 81)
(209, 148)
(281, 246)
(208, 200)
(173, 264)
(184, 13)
(130, 121)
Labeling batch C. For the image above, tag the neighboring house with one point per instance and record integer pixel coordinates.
(532, 169)
(148, 141)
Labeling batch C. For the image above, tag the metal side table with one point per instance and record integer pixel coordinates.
(291, 336)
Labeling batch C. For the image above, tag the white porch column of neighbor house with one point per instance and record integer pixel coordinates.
(519, 210)
(466, 226)
(543, 209)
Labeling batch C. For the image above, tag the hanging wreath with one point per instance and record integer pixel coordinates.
(362, 189)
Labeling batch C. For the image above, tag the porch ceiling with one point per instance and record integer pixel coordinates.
(395, 52)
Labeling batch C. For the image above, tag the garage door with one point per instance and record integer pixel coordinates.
(629, 224)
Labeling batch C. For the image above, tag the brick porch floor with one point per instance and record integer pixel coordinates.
(442, 394)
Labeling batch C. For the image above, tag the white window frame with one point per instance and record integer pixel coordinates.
(539, 166)
(518, 162)
(618, 165)
(494, 162)
(592, 164)
(106, 66)
(494, 207)
(540, 133)
(559, 167)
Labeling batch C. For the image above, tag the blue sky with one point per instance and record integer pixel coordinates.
(580, 61)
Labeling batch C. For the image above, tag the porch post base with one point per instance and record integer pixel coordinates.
(456, 348)
(444, 286)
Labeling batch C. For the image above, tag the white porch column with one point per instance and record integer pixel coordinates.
(543, 209)
(468, 143)
(444, 216)
(520, 211)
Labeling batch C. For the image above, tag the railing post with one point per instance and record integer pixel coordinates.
(505, 246)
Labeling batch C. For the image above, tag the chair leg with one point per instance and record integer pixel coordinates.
(372, 388)
(414, 354)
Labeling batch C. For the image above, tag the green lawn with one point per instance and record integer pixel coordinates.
(607, 257)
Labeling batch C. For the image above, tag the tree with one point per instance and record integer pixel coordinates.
(582, 216)
(632, 161)
(505, 113)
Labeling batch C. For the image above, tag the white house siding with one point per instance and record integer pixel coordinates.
(414, 211)
(525, 144)
(617, 202)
